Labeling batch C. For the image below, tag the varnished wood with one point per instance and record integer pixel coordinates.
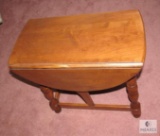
(87, 98)
(53, 100)
(67, 52)
(96, 106)
(90, 39)
(57, 95)
(48, 93)
(81, 80)
(54, 104)
(132, 89)
(82, 53)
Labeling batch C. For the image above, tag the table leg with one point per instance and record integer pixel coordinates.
(54, 102)
(132, 90)
(87, 98)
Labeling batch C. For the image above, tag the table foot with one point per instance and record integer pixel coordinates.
(54, 104)
(136, 109)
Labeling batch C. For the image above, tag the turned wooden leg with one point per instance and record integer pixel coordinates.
(54, 102)
(132, 90)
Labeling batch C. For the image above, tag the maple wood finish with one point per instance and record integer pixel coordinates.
(132, 89)
(82, 53)
(53, 97)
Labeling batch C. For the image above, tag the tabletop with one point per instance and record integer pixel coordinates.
(114, 39)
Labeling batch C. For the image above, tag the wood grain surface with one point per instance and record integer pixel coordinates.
(80, 80)
(90, 40)
(81, 53)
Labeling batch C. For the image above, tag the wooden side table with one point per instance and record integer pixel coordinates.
(82, 53)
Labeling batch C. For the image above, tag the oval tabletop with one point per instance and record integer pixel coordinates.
(112, 40)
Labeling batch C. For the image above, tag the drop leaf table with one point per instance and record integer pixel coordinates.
(82, 54)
